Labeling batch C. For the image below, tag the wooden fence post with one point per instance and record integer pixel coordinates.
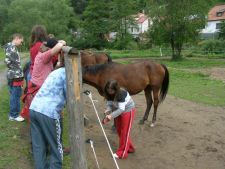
(75, 107)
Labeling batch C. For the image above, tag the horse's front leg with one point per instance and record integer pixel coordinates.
(149, 104)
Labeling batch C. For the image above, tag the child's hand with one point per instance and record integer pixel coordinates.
(63, 42)
(109, 117)
(106, 119)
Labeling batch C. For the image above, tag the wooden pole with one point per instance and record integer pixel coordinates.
(75, 107)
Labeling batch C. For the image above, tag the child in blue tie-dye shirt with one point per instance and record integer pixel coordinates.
(45, 114)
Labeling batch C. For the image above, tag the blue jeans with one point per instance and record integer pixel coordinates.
(15, 94)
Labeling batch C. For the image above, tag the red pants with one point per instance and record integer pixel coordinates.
(123, 125)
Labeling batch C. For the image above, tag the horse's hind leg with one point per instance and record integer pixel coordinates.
(156, 103)
(149, 104)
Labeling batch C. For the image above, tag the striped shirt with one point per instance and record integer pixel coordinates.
(123, 104)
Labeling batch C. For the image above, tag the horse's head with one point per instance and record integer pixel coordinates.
(93, 58)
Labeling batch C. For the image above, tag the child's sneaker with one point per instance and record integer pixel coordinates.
(19, 118)
(11, 118)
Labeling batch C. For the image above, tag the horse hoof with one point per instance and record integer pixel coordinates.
(141, 122)
(152, 125)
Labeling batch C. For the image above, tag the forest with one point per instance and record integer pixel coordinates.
(87, 23)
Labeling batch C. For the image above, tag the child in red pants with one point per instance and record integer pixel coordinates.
(121, 108)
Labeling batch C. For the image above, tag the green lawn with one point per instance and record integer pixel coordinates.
(2, 55)
(14, 147)
(156, 52)
(196, 87)
(194, 63)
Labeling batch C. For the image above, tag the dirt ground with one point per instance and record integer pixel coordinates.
(187, 135)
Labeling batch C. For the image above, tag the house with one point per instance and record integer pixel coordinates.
(142, 24)
(216, 15)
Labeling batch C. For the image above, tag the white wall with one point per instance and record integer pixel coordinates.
(142, 27)
(210, 27)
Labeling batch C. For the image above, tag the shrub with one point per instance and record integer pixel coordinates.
(212, 46)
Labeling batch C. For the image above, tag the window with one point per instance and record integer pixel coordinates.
(219, 14)
(132, 29)
(137, 29)
(218, 25)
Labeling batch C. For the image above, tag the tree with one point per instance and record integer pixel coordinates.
(176, 22)
(96, 23)
(141, 5)
(104, 16)
(122, 12)
(56, 15)
(222, 31)
(4, 5)
(79, 6)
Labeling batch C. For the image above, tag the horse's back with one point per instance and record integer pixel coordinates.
(140, 74)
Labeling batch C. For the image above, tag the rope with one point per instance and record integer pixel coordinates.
(88, 93)
(93, 149)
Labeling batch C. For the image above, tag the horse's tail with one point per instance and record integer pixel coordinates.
(109, 57)
(165, 84)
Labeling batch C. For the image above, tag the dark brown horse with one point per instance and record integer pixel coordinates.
(148, 76)
(93, 58)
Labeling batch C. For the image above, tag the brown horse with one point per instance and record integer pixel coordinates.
(148, 76)
(93, 58)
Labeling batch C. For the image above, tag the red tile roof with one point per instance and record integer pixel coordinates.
(213, 14)
(140, 17)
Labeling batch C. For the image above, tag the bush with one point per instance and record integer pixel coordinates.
(89, 41)
(212, 46)
(123, 42)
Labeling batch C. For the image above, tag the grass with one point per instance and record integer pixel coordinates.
(2, 54)
(14, 143)
(187, 63)
(196, 87)
(166, 52)
(14, 149)
(194, 63)
(155, 52)
(67, 162)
